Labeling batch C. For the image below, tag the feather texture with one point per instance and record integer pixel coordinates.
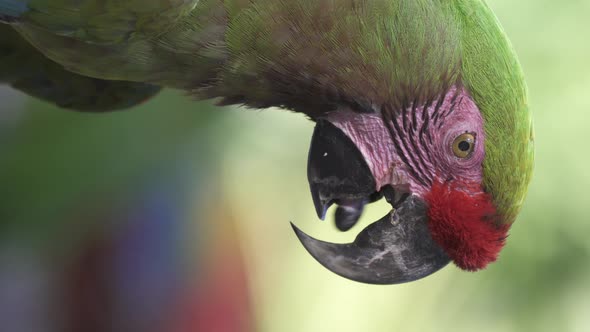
(310, 56)
(28, 70)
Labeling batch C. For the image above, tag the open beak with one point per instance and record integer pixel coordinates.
(396, 249)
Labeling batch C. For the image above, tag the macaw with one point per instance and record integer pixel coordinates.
(420, 102)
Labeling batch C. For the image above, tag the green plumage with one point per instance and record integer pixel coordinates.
(28, 70)
(495, 80)
(309, 56)
(173, 43)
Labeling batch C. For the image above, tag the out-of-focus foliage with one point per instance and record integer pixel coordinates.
(116, 222)
(51, 158)
(252, 165)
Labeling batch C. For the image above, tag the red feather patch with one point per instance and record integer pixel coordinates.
(462, 222)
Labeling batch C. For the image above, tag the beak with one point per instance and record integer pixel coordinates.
(396, 249)
(338, 173)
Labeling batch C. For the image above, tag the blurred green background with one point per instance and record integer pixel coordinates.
(175, 216)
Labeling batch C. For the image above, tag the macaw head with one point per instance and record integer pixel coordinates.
(451, 150)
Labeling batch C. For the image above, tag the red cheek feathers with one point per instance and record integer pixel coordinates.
(463, 225)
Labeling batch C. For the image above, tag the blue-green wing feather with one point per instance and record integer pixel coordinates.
(26, 69)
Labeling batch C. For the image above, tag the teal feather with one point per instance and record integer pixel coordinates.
(26, 69)
(11, 10)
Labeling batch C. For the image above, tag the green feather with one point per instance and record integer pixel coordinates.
(371, 52)
(106, 21)
(309, 56)
(176, 43)
(493, 75)
(389, 52)
(26, 69)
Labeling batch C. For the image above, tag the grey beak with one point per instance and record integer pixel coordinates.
(396, 249)
(338, 173)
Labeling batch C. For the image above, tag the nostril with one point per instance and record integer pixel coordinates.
(393, 196)
(374, 197)
(389, 194)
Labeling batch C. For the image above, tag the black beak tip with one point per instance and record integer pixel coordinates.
(297, 231)
(321, 206)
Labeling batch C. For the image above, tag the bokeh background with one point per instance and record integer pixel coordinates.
(174, 216)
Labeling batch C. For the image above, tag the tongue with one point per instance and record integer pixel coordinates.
(349, 212)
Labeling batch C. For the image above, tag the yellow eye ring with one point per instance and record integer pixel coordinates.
(464, 145)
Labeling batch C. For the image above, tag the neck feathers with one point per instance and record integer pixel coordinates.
(312, 55)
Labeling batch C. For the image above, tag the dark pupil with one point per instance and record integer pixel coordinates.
(464, 146)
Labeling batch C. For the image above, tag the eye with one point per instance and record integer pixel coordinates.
(464, 145)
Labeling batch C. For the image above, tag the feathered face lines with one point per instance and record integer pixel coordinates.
(426, 160)
(423, 137)
(417, 144)
(433, 152)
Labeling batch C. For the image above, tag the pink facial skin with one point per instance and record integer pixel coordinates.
(418, 149)
(414, 154)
